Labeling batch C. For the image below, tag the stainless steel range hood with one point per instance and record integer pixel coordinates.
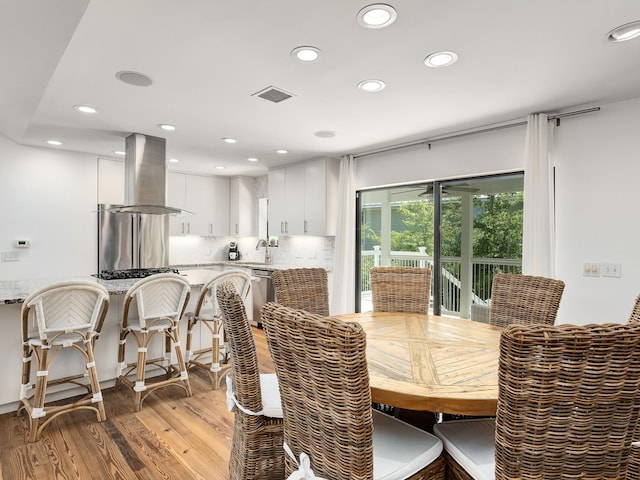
(145, 176)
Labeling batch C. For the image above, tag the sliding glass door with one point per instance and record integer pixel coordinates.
(463, 230)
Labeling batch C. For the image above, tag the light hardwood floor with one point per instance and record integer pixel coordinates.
(172, 437)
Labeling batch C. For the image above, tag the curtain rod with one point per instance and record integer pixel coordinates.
(488, 128)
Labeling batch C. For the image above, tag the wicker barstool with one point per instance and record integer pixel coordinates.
(160, 301)
(68, 314)
(256, 449)
(302, 288)
(326, 398)
(208, 313)
(524, 299)
(567, 407)
(400, 289)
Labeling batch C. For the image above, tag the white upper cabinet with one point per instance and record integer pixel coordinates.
(277, 201)
(177, 197)
(208, 200)
(302, 198)
(295, 199)
(241, 207)
(320, 196)
(110, 182)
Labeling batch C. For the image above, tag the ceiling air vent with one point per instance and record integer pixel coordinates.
(273, 94)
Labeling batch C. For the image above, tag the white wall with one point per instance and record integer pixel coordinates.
(597, 158)
(48, 197)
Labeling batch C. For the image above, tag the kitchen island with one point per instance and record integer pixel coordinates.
(16, 291)
(13, 294)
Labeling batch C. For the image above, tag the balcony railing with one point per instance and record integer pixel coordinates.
(482, 272)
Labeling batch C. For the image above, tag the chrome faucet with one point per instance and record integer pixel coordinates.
(267, 254)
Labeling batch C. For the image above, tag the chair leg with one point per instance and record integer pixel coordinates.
(191, 323)
(122, 365)
(215, 369)
(174, 335)
(96, 392)
(37, 411)
(142, 339)
(26, 374)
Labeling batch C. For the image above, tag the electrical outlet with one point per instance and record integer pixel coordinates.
(611, 270)
(591, 270)
(9, 257)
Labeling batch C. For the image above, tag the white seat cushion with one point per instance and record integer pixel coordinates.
(400, 449)
(471, 443)
(270, 396)
(271, 403)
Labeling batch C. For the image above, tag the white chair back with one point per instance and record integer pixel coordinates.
(66, 307)
(161, 296)
(208, 304)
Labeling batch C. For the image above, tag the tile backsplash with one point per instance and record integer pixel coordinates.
(294, 251)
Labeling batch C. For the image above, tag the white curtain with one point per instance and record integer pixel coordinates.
(538, 249)
(344, 281)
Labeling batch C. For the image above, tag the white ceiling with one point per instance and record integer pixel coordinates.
(207, 58)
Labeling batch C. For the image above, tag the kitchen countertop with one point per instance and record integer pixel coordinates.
(236, 263)
(16, 291)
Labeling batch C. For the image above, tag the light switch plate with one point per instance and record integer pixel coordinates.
(611, 270)
(9, 257)
(591, 270)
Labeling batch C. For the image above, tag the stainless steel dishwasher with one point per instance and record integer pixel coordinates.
(262, 292)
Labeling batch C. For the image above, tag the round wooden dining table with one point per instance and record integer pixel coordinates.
(431, 363)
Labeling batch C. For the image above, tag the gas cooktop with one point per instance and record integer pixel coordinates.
(133, 273)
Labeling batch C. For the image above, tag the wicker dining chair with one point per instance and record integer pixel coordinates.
(635, 313)
(322, 371)
(400, 289)
(152, 306)
(256, 448)
(303, 289)
(568, 403)
(634, 459)
(524, 299)
(207, 313)
(68, 314)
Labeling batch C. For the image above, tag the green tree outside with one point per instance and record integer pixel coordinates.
(497, 228)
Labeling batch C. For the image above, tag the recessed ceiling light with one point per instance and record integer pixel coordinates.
(441, 59)
(167, 126)
(371, 85)
(57, 143)
(134, 78)
(325, 134)
(219, 167)
(174, 160)
(281, 151)
(85, 109)
(229, 140)
(625, 32)
(377, 15)
(119, 152)
(252, 159)
(306, 54)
